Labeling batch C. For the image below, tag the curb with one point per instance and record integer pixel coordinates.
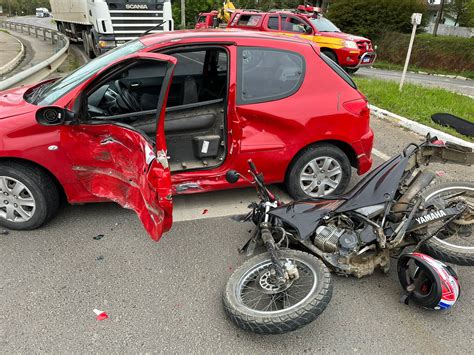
(417, 127)
(5, 69)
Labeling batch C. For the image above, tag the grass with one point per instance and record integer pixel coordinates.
(399, 67)
(417, 103)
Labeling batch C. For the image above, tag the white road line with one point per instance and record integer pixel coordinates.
(380, 154)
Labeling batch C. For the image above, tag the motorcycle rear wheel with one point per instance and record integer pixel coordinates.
(253, 305)
(455, 244)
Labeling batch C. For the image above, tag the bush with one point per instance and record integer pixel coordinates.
(441, 52)
(372, 18)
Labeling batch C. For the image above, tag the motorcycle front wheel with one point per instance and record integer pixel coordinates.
(254, 304)
(455, 242)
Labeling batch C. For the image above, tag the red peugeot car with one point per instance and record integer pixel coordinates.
(170, 114)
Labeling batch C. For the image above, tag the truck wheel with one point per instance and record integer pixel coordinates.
(321, 169)
(331, 55)
(351, 71)
(86, 42)
(28, 196)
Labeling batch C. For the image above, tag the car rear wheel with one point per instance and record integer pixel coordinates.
(28, 196)
(320, 170)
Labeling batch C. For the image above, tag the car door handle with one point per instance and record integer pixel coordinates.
(135, 85)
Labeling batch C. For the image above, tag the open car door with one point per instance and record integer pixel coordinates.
(117, 162)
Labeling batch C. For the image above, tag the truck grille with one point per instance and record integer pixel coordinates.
(365, 46)
(129, 24)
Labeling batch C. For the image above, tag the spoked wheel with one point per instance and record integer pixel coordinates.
(255, 301)
(455, 242)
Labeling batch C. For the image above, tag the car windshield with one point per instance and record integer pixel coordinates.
(59, 88)
(324, 25)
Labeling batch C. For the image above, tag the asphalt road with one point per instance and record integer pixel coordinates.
(166, 296)
(465, 87)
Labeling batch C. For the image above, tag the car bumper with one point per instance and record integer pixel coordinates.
(364, 152)
(353, 59)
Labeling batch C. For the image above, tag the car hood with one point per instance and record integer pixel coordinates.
(12, 102)
(345, 36)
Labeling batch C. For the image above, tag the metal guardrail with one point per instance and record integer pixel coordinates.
(46, 67)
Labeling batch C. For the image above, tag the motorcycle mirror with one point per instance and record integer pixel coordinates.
(232, 176)
(53, 116)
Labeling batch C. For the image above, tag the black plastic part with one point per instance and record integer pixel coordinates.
(206, 146)
(460, 125)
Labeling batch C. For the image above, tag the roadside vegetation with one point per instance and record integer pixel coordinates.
(416, 102)
(441, 54)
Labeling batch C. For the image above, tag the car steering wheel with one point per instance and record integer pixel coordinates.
(129, 100)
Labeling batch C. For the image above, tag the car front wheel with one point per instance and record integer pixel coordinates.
(28, 196)
(318, 171)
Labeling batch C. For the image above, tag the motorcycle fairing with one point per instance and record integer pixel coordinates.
(377, 187)
(305, 215)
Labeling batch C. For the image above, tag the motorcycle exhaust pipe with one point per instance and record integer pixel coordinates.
(420, 182)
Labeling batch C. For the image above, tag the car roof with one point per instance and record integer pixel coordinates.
(222, 34)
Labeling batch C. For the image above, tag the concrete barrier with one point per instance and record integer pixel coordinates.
(46, 67)
(8, 67)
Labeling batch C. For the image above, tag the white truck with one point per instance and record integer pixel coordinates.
(105, 24)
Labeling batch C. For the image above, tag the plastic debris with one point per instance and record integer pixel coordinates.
(98, 237)
(205, 211)
(441, 173)
(100, 315)
(4, 232)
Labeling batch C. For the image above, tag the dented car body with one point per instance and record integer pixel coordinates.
(172, 113)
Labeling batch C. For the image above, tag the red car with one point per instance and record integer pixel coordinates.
(171, 113)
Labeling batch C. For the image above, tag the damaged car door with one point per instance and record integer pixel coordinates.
(113, 159)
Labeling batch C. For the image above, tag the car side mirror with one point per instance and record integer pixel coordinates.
(53, 116)
(232, 176)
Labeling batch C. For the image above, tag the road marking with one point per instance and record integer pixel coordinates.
(380, 154)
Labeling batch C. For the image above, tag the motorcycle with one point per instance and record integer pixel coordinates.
(394, 207)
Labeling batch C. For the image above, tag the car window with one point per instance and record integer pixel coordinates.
(294, 24)
(201, 19)
(249, 20)
(200, 75)
(339, 71)
(66, 84)
(266, 74)
(324, 25)
(273, 23)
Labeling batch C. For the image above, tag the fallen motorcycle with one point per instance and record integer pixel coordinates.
(395, 206)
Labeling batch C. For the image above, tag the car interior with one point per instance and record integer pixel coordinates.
(195, 119)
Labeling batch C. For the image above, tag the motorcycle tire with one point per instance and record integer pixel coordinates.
(291, 316)
(443, 248)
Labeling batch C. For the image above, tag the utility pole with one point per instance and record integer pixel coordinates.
(183, 14)
(415, 20)
(438, 19)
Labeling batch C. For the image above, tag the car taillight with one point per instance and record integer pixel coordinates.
(359, 107)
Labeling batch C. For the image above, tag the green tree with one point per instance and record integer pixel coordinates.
(463, 10)
(23, 7)
(372, 18)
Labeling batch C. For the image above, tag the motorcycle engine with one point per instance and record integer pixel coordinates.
(330, 239)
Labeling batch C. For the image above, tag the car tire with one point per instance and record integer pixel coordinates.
(305, 181)
(29, 197)
(351, 71)
(331, 55)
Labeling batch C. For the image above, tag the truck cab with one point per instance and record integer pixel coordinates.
(207, 20)
(349, 51)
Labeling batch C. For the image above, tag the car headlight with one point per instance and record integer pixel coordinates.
(350, 44)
